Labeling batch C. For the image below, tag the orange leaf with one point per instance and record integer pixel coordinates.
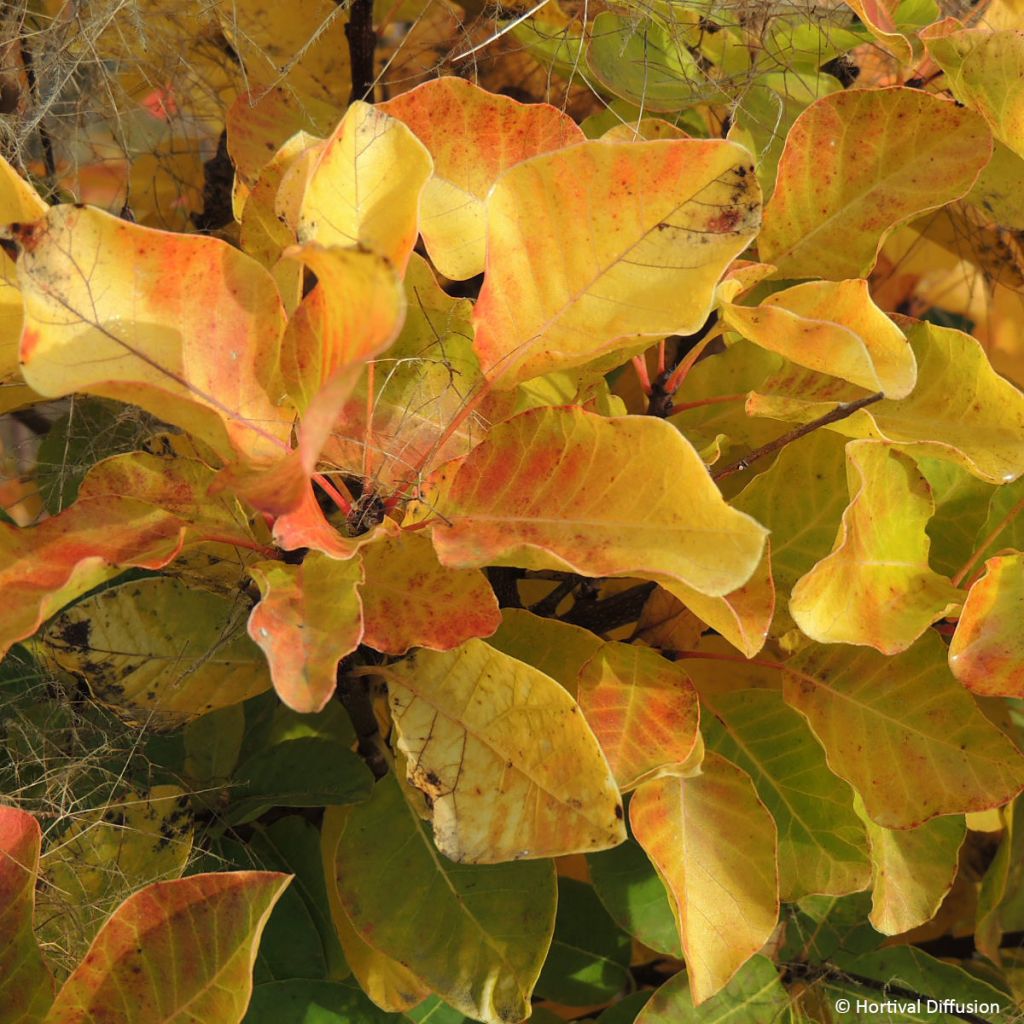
(175, 951)
(445, 114)
(309, 618)
(714, 845)
(643, 710)
(26, 988)
(987, 650)
(593, 247)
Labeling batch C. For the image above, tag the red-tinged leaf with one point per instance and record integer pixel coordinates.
(643, 710)
(26, 988)
(309, 618)
(45, 567)
(856, 164)
(363, 191)
(833, 327)
(570, 490)
(444, 114)
(987, 650)
(903, 732)
(593, 247)
(173, 952)
(411, 600)
(878, 18)
(714, 845)
(355, 312)
(876, 587)
(184, 326)
(307, 527)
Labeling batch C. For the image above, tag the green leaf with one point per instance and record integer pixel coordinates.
(819, 927)
(589, 957)
(755, 996)
(313, 1002)
(305, 772)
(625, 1010)
(476, 934)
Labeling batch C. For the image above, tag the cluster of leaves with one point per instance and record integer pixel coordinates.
(554, 542)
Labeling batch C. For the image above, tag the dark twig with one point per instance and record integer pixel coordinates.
(362, 45)
(354, 694)
(505, 584)
(840, 412)
(618, 610)
(661, 399)
(547, 606)
(44, 135)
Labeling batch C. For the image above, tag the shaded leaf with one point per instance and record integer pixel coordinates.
(309, 618)
(313, 1002)
(876, 587)
(177, 948)
(987, 650)
(26, 988)
(643, 710)
(856, 164)
(714, 844)
(476, 934)
(443, 114)
(574, 274)
(158, 652)
(901, 730)
(569, 490)
(508, 764)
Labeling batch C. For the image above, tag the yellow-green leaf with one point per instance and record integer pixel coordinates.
(822, 845)
(176, 951)
(159, 652)
(876, 586)
(411, 600)
(26, 988)
(643, 710)
(569, 490)
(510, 767)
(714, 844)
(308, 619)
(903, 732)
(596, 246)
(832, 327)
(183, 325)
(987, 650)
(364, 190)
(856, 164)
(476, 934)
(912, 870)
(444, 113)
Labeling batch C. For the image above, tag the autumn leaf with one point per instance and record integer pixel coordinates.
(538, 494)
(175, 948)
(856, 164)
(443, 114)
(26, 988)
(573, 274)
(714, 844)
(477, 935)
(861, 705)
(309, 617)
(876, 587)
(508, 764)
(643, 710)
(363, 191)
(184, 326)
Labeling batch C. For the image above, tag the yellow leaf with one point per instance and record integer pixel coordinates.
(832, 327)
(184, 326)
(714, 845)
(411, 600)
(364, 189)
(877, 16)
(444, 113)
(309, 618)
(569, 490)
(987, 650)
(159, 652)
(596, 246)
(876, 587)
(509, 765)
(643, 710)
(856, 164)
(903, 732)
